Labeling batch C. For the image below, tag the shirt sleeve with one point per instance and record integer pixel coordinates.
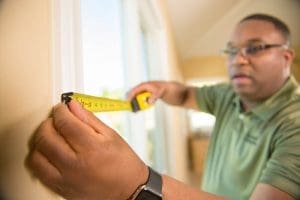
(283, 169)
(211, 98)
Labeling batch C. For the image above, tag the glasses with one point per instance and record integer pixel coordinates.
(251, 50)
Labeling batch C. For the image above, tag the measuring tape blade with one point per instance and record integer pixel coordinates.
(101, 104)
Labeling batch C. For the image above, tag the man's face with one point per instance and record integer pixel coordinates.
(258, 74)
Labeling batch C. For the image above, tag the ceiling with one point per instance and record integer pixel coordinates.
(192, 19)
(202, 27)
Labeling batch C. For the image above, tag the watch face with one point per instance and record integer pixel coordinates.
(147, 195)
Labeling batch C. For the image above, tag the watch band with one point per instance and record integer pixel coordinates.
(151, 190)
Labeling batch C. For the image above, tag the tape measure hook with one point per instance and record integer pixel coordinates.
(66, 97)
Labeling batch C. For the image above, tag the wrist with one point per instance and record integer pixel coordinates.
(151, 189)
(141, 179)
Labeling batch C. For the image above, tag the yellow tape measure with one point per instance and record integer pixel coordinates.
(101, 104)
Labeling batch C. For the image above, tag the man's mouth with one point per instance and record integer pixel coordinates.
(240, 78)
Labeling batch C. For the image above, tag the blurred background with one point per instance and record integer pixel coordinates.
(104, 48)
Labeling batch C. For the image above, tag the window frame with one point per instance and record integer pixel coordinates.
(66, 41)
(67, 63)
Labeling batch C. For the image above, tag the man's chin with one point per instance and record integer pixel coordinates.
(242, 90)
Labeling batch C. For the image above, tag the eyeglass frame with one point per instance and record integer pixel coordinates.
(246, 50)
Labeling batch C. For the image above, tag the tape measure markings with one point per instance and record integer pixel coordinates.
(101, 104)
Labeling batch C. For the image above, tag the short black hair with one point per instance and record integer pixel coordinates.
(278, 24)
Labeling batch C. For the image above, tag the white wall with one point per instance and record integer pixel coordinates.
(25, 90)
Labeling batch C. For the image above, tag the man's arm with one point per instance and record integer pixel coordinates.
(172, 93)
(176, 190)
(79, 157)
(268, 192)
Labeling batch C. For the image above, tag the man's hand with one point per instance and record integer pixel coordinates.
(79, 157)
(172, 93)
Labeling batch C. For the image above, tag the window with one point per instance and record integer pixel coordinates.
(105, 47)
(102, 47)
(200, 122)
(102, 57)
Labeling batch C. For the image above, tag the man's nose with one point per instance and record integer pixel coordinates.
(238, 59)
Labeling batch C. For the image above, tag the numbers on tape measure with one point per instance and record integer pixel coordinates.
(101, 104)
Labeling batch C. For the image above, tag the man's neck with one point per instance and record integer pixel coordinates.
(248, 104)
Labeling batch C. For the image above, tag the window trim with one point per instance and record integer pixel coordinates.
(66, 41)
(67, 61)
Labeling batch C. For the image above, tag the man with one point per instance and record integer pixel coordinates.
(254, 149)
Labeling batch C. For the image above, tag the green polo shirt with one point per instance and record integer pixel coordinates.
(247, 148)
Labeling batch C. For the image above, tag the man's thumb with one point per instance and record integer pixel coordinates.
(78, 111)
(88, 118)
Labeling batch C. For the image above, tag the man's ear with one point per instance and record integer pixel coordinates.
(289, 56)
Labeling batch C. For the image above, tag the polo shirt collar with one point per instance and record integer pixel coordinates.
(270, 106)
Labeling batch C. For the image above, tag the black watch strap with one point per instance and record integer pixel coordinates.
(154, 183)
(152, 189)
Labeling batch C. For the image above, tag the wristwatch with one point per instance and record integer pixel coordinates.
(151, 190)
